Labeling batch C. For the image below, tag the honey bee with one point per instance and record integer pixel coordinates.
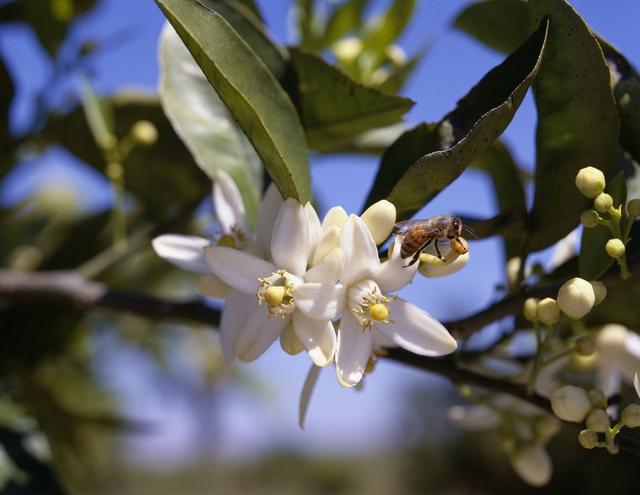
(418, 234)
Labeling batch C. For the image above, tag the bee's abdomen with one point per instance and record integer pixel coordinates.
(409, 247)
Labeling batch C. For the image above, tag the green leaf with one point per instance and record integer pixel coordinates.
(204, 123)
(439, 154)
(250, 28)
(398, 78)
(343, 19)
(334, 108)
(251, 5)
(593, 260)
(501, 24)
(248, 89)
(578, 121)
(385, 29)
(98, 116)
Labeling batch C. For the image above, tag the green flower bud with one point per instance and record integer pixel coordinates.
(144, 132)
(598, 399)
(598, 421)
(585, 347)
(633, 208)
(576, 298)
(590, 181)
(570, 403)
(599, 290)
(630, 416)
(530, 309)
(615, 248)
(589, 218)
(548, 312)
(588, 439)
(603, 202)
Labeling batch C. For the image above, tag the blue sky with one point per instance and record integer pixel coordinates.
(339, 420)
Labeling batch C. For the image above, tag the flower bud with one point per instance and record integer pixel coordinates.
(576, 298)
(348, 48)
(570, 403)
(633, 208)
(598, 399)
(396, 55)
(590, 181)
(585, 346)
(380, 218)
(603, 202)
(290, 342)
(548, 312)
(144, 132)
(631, 416)
(530, 309)
(589, 218)
(588, 439)
(599, 290)
(598, 421)
(615, 248)
(533, 465)
(432, 266)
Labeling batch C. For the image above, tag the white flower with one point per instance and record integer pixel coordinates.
(274, 286)
(364, 292)
(618, 357)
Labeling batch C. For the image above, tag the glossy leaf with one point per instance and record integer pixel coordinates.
(334, 108)
(442, 152)
(203, 122)
(343, 19)
(251, 93)
(251, 5)
(578, 121)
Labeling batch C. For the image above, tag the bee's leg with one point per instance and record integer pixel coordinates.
(416, 255)
(438, 250)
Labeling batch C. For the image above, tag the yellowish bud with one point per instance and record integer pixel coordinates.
(380, 218)
(633, 208)
(598, 421)
(530, 309)
(615, 248)
(589, 218)
(274, 295)
(603, 202)
(548, 312)
(144, 132)
(597, 398)
(588, 439)
(576, 297)
(599, 290)
(379, 312)
(570, 403)
(631, 416)
(590, 181)
(348, 48)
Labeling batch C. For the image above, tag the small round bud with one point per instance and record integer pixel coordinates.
(144, 132)
(548, 312)
(570, 403)
(589, 218)
(603, 202)
(590, 181)
(530, 309)
(513, 267)
(599, 290)
(347, 49)
(598, 421)
(615, 248)
(380, 218)
(460, 245)
(533, 465)
(598, 399)
(396, 54)
(633, 208)
(588, 439)
(631, 416)
(379, 312)
(576, 298)
(585, 346)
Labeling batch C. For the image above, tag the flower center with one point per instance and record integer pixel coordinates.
(277, 291)
(368, 304)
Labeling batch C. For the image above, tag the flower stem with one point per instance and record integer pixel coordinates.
(537, 362)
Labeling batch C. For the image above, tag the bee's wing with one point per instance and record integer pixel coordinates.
(406, 225)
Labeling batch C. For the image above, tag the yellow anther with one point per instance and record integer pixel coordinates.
(379, 312)
(227, 241)
(274, 295)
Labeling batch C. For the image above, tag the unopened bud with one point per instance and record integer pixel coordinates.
(631, 416)
(348, 48)
(598, 421)
(615, 248)
(588, 439)
(589, 218)
(599, 290)
(533, 465)
(603, 202)
(396, 55)
(380, 218)
(144, 132)
(530, 309)
(590, 181)
(585, 346)
(548, 312)
(570, 403)
(576, 298)
(633, 208)
(597, 398)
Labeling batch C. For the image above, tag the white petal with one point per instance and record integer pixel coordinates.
(290, 240)
(236, 268)
(320, 301)
(184, 251)
(318, 337)
(393, 274)
(437, 268)
(315, 229)
(533, 465)
(307, 390)
(416, 330)
(380, 218)
(211, 286)
(228, 204)
(361, 254)
(380, 341)
(354, 349)
(257, 334)
(336, 216)
(328, 241)
(271, 202)
(328, 271)
(636, 383)
(237, 308)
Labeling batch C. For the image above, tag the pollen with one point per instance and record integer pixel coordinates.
(379, 312)
(227, 241)
(274, 295)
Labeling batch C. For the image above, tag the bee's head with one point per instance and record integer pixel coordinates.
(455, 228)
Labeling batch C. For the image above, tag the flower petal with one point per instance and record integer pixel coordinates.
(211, 286)
(393, 274)
(237, 308)
(315, 229)
(184, 251)
(437, 268)
(361, 254)
(380, 218)
(290, 240)
(305, 395)
(318, 337)
(257, 334)
(236, 268)
(271, 202)
(416, 330)
(328, 270)
(380, 341)
(228, 204)
(354, 349)
(533, 465)
(336, 216)
(328, 241)
(320, 301)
